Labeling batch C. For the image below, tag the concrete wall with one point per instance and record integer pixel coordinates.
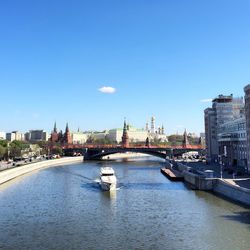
(10, 174)
(181, 167)
(232, 192)
(198, 181)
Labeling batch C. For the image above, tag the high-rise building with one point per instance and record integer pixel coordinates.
(233, 143)
(15, 136)
(247, 113)
(36, 135)
(224, 109)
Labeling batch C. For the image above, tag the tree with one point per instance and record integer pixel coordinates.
(16, 148)
(4, 143)
(57, 151)
(175, 140)
(2, 151)
(15, 151)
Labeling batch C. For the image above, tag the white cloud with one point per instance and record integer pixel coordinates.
(107, 90)
(206, 100)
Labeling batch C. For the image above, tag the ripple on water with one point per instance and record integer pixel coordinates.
(63, 208)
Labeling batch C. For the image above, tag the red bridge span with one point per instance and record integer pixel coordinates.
(96, 152)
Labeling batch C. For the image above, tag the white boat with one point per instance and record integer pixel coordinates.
(107, 179)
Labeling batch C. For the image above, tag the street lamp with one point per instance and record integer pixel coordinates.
(220, 162)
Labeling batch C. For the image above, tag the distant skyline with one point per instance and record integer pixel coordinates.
(92, 63)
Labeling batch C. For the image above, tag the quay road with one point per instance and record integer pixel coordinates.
(242, 179)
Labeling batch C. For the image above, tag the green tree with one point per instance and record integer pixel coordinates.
(3, 151)
(16, 148)
(175, 140)
(4, 143)
(57, 150)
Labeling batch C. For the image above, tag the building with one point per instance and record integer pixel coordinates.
(15, 136)
(224, 109)
(79, 137)
(134, 134)
(64, 138)
(125, 137)
(202, 139)
(54, 135)
(67, 136)
(36, 135)
(152, 131)
(2, 136)
(247, 113)
(210, 134)
(185, 142)
(232, 141)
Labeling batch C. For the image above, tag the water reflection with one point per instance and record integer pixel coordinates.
(111, 195)
(64, 208)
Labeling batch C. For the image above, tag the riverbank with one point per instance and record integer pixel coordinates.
(202, 178)
(10, 174)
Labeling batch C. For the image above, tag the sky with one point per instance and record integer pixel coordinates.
(93, 62)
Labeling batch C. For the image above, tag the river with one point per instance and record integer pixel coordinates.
(63, 208)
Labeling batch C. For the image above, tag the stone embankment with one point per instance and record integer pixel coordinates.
(10, 174)
(229, 189)
(234, 189)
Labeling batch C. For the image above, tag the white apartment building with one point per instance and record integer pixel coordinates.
(15, 136)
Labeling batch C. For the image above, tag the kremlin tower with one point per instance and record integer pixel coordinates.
(185, 142)
(67, 137)
(54, 134)
(125, 138)
(60, 137)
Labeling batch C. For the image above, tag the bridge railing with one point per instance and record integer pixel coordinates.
(87, 145)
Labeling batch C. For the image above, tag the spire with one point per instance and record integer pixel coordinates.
(67, 136)
(54, 134)
(55, 129)
(67, 128)
(124, 125)
(125, 138)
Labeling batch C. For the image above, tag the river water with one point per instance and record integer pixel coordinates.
(63, 208)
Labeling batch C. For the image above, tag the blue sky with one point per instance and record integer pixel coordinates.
(162, 57)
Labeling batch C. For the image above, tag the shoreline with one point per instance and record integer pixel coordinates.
(10, 174)
(233, 189)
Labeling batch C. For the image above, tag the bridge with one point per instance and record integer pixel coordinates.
(96, 152)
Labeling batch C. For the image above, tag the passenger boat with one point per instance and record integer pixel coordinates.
(107, 179)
